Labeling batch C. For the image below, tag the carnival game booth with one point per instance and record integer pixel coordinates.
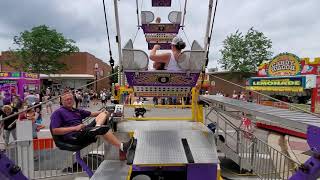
(17, 83)
(287, 78)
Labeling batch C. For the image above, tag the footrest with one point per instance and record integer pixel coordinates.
(131, 152)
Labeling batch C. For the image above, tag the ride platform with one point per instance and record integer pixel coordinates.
(168, 149)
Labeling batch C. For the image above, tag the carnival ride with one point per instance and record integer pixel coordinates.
(185, 148)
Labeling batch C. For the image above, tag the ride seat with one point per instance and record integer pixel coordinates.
(160, 33)
(162, 83)
(63, 145)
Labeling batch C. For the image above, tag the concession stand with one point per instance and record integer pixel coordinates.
(288, 78)
(18, 83)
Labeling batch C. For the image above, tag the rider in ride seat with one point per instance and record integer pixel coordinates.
(67, 122)
(170, 58)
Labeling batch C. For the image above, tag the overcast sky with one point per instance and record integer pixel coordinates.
(292, 25)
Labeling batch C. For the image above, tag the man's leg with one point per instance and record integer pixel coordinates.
(112, 139)
(101, 119)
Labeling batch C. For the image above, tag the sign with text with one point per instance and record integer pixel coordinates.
(290, 81)
(284, 64)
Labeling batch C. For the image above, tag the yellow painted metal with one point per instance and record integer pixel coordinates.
(200, 113)
(121, 90)
(162, 119)
(193, 104)
(129, 173)
(131, 133)
(219, 173)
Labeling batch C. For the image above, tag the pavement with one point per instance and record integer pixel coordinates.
(298, 148)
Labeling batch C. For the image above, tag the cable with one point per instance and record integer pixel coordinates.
(136, 35)
(209, 42)
(106, 22)
(210, 36)
(186, 37)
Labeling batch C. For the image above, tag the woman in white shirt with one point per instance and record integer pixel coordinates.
(169, 58)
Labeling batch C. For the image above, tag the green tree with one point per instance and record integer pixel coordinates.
(39, 51)
(244, 53)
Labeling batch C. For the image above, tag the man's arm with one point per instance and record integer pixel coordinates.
(65, 130)
(95, 114)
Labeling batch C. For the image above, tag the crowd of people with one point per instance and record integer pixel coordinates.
(44, 99)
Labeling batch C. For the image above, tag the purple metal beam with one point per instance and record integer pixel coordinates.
(310, 170)
(161, 3)
(165, 78)
(162, 45)
(202, 171)
(8, 170)
(161, 28)
(83, 164)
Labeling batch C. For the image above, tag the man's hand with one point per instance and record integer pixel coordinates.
(79, 127)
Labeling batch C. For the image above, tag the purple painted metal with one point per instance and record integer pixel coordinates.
(313, 138)
(161, 28)
(8, 170)
(153, 168)
(18, 82)
(165, 78)
(311, 168)
(162, 45)
(161, 3)
(202, 171)
(83, 164)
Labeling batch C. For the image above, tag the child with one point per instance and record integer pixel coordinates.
(39, 118)
(31, 116)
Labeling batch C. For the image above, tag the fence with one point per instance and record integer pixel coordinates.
(249, 152)
(44, 160)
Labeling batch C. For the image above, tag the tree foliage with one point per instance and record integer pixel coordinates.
(244, 53)
(39, 51)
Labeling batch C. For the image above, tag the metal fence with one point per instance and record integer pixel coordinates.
(44, 160)
(250, 152)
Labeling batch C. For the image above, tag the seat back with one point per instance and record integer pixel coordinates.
(192, 60)
(134, 59)
(63, 145)
(175, 17)
(146, 17)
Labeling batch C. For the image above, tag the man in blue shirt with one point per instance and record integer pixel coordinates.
(67, 121)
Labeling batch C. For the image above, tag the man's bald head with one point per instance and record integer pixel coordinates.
(67, 100)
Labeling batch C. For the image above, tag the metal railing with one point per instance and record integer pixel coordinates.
(44, 160)
(250, 152)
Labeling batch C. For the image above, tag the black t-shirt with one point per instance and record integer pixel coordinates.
(9, 121)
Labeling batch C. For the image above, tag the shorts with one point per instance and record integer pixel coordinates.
(82, 137)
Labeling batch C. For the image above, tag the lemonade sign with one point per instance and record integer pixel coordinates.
(285, 64)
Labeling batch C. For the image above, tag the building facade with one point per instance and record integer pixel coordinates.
(82, 68)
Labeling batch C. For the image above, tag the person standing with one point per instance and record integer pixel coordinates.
(9, 124)
(31, 99)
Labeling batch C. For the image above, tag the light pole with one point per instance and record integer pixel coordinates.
(96, 69)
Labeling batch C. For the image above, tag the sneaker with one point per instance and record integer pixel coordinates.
(127, 145)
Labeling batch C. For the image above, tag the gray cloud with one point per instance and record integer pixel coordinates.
(291, 25)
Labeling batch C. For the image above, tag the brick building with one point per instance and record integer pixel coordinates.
(79, 72)
(224, 86)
